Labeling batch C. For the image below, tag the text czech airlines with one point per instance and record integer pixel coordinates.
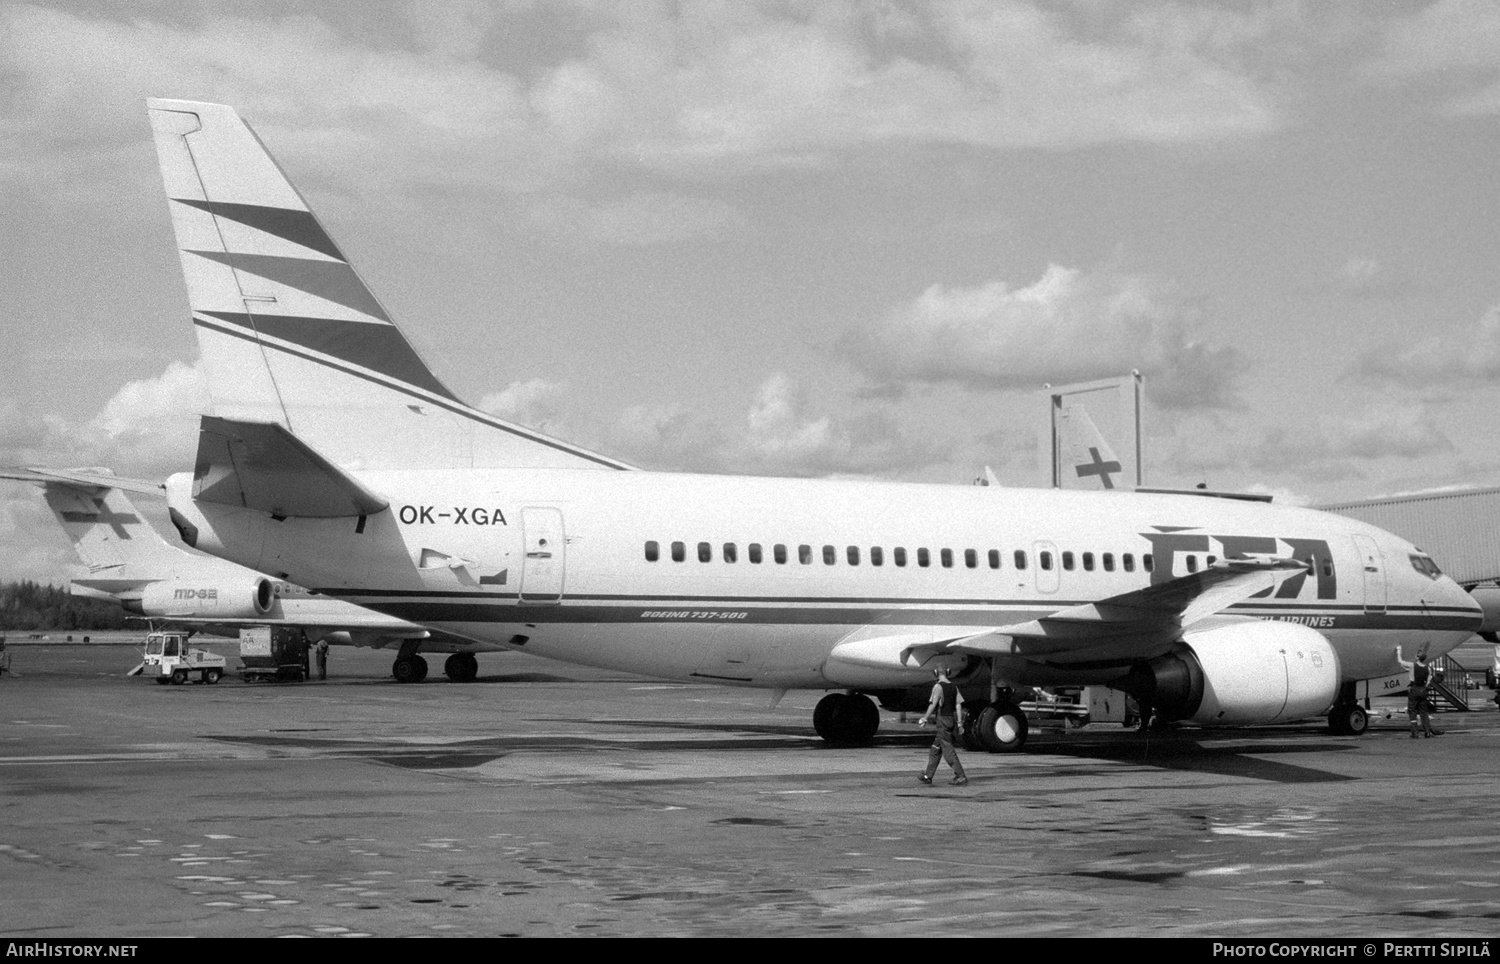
(459, 515)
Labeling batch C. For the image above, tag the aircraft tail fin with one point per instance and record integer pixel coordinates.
(291, 334)
(1086, 460)
(119, 549)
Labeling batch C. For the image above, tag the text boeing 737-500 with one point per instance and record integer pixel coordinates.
(335, 458)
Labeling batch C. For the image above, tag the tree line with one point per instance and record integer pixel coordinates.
(31, 605)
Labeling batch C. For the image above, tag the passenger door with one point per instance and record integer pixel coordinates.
(1372, 566)
(543, 566)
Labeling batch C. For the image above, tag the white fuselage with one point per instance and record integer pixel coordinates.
(556, 562)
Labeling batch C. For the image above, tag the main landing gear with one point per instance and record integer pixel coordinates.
(1001, 727)
(462, 667)
(409, 667)
(846, 719)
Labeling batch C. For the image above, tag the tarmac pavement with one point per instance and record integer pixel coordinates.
(551, 800)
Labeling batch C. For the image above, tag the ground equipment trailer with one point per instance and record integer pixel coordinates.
(273, 652)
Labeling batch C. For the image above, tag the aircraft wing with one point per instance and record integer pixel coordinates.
(1135, 623)
(1117, 630)
(80, 478)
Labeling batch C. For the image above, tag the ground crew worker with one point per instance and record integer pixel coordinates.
(322, 659)
(1417, 704)
(944, 709)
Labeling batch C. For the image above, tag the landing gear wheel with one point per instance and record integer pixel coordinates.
(211, 676)
(846, 719)
(461, 667)
(409, 669)
(968, 738)
(179, 676)
(1002, 728)
(1348, 720)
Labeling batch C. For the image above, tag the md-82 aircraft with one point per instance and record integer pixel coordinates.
(125, 560)
(336, 459)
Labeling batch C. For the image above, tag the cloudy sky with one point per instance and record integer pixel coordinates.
(808, 238)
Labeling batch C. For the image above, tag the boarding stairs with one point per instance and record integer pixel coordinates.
(1449, 685)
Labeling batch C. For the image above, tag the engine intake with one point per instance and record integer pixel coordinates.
(1241, 673)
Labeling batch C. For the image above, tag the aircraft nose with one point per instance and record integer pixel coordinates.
(1467, 612)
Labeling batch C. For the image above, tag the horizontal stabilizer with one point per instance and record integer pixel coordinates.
(260, 465)
(89, 479)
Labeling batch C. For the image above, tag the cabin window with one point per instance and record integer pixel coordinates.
(804, 554)
(1147, 563)
(1211, 561)
(1020, 559)
(853, 555)
(830, 555)
(778, 552)
(971, 558)
(1044, 559)
(1108, 560)
(947, 556)
(1088, 562)
(898, 555)
(994, 558)
(923, 558)
(705, 552)
(877, 556)
(1127, 562)
(755, 553)
(679, 552)
(731, 554)
(653, 552)
(1192, 562)
(1068, 560)
(1328, 568)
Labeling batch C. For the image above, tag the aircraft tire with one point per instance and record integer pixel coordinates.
(1349, 719)
(211, 676)
(461, 667)
(824, 712)
(1002, 728)
(421, 668)
(846, 719)
(969, 738)
(405, 669)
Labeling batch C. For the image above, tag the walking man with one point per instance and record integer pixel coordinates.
(944, 710)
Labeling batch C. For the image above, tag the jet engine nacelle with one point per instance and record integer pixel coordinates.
(195, 599)
(1241, 673)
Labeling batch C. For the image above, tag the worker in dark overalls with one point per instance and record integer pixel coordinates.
(944, 710)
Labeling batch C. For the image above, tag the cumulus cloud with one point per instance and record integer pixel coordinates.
(148, 429)
(695, 88)
(1067, 326)
(777, 435)
(1405, 432)
(1452, 45)
(1367, 279)
(1468, 355)
(536, 403)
